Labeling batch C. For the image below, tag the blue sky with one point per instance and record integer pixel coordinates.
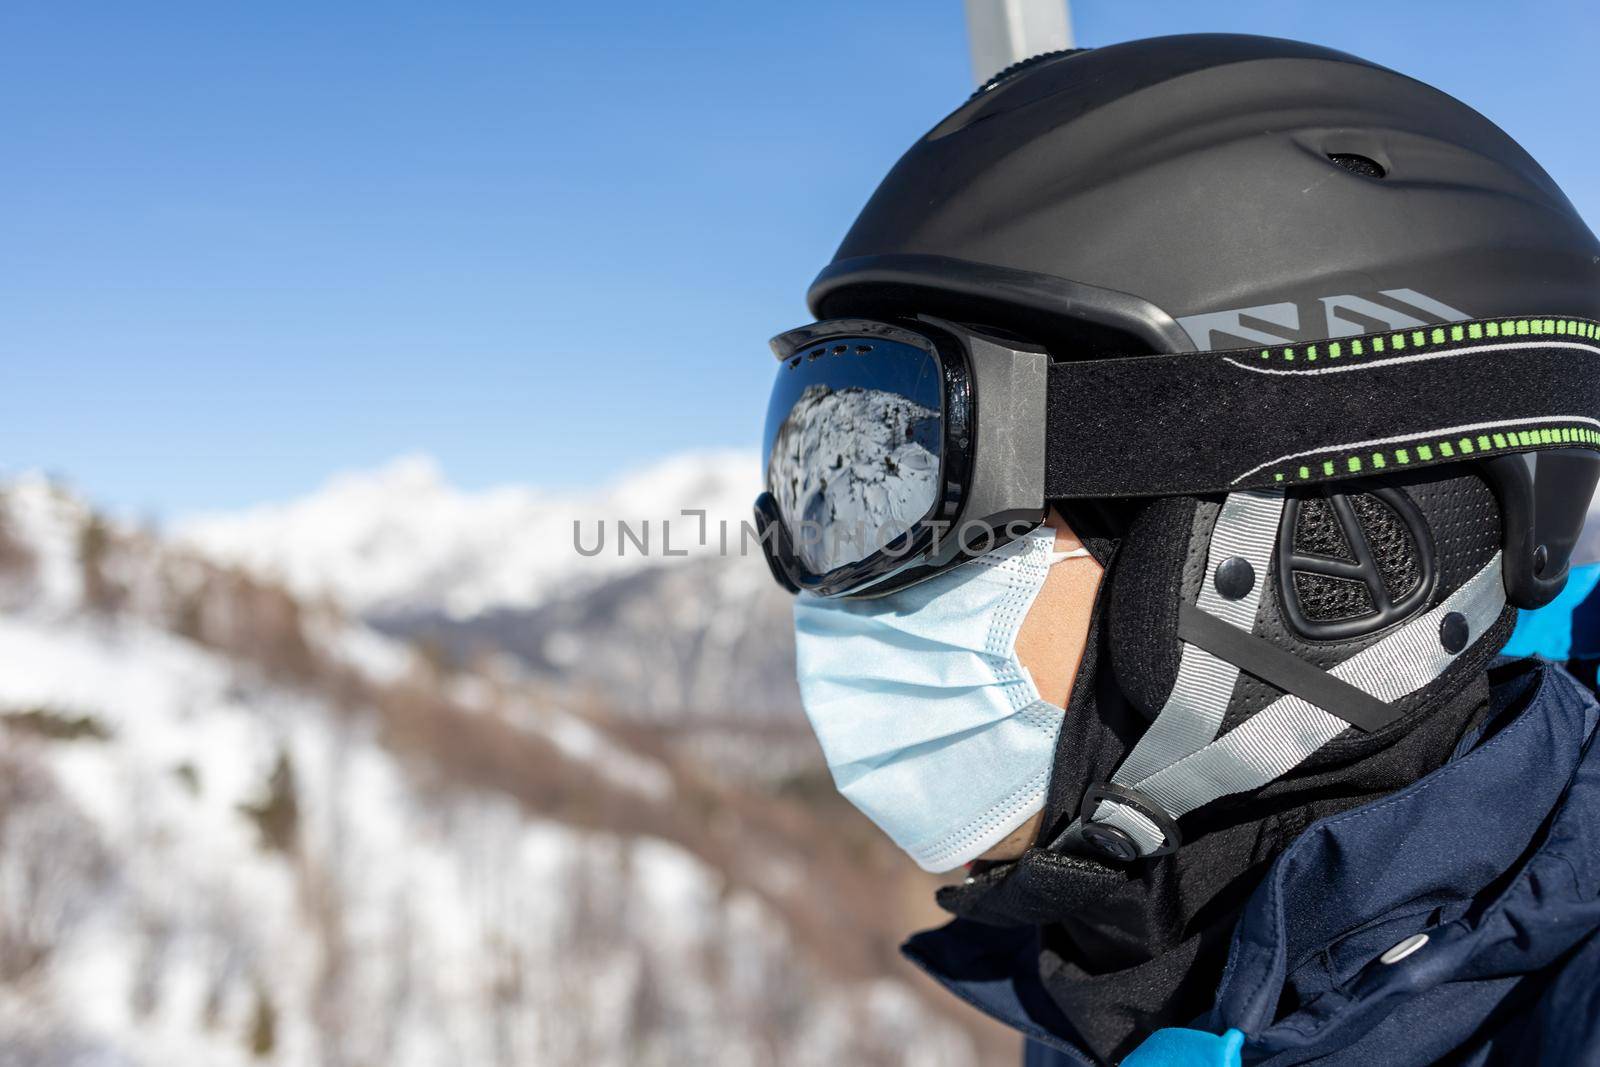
(242, 246)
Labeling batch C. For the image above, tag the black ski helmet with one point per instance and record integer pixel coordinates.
(1215, 192)
(1205, 191)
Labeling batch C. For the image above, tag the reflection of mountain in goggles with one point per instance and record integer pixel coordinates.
(852, 468)
(896, 449)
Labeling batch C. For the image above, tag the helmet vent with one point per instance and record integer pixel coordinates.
(1353, 563)
(1365, 166)
(1393, 548)
(1324, 598)
(1318, 532)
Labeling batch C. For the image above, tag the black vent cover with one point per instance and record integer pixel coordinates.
(1362, 165)
(1350, 564)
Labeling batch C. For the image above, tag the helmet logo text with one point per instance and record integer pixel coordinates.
(1348, 315)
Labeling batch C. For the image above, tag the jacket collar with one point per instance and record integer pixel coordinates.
(1492, 857)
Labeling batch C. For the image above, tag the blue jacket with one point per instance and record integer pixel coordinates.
(1457, 921)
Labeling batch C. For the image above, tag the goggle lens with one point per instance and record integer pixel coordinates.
(853, 443)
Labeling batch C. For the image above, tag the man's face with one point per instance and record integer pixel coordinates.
(1050, 645)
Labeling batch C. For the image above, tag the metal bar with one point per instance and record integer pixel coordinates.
(1003, 32)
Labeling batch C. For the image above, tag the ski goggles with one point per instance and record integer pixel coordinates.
(896, 449)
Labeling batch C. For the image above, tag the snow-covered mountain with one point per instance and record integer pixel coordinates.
(704, 636)
(239, 828)
(401, 540)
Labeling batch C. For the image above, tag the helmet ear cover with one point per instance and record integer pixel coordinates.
(1217, 630)
(1406, 542)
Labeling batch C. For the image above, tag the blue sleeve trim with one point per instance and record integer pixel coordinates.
(1177, 1047)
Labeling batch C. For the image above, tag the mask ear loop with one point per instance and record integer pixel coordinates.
(1062, 557)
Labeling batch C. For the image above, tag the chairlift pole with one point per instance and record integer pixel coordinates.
(1003, 32)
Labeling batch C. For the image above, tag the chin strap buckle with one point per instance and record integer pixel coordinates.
(1115, 842)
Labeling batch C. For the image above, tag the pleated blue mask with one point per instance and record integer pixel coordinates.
(929, 723)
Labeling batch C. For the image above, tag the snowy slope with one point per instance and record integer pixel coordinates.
(400, 539)
(234, 830)
(401, 929)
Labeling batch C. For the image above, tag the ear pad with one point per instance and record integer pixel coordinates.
(1422, 537)
(1159, 563)
(1352, 563)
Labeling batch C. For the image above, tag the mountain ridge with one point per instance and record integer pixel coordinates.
(401, 539)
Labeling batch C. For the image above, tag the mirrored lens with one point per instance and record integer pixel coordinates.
(853, 443)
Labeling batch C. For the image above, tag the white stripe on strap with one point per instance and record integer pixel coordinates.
(1247, 526)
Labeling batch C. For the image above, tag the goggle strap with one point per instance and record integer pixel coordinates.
(1214, 422)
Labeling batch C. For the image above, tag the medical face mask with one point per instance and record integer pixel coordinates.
(929, 723)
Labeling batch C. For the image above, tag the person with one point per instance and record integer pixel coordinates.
(1185, 424)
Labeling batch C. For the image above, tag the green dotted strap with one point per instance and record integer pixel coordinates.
(1422, 453)
(1338, 408)
(1398, 341)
